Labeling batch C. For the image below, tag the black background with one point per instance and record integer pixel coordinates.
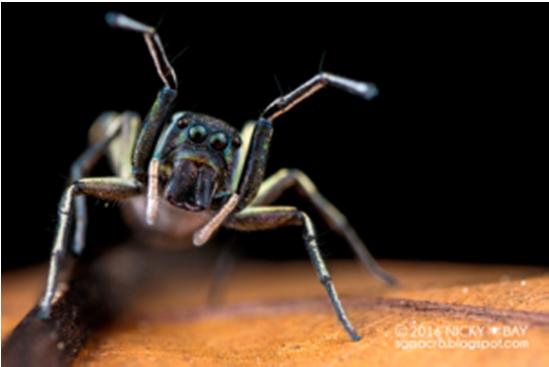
(448, 163)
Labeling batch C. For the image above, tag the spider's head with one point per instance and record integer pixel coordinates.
(196, 154)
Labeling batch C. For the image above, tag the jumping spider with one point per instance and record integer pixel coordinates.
(199, 172)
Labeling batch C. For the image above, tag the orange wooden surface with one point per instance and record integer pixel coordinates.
(276, 314)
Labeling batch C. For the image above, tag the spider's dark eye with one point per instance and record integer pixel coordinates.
(237, 142)
(219, 141)
(183, 123)
(198, 133)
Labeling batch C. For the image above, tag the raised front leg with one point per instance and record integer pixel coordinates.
(264, 218)
(251, 175)
(106, 188)
(164, 101)
(255, 162)
(285, 179)
(285, 103)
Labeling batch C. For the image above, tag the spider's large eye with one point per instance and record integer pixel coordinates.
(198, 133)
(218, 141)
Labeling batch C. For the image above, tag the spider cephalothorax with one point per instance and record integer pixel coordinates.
(196, 163)
(196, 157)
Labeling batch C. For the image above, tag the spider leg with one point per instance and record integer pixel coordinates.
(105, 188)
(120, 150)
(154, 44)
(163, 104)
(264, 218)
(247, 135)
(285, 179)
(113, 132)
(252, 170)
(285, 103)
(250, 175)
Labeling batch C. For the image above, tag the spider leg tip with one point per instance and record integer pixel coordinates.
(371, 91)
(112, 18)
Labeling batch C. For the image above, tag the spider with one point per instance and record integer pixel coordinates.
(189, 173)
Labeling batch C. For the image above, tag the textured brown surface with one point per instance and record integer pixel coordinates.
(277, 314)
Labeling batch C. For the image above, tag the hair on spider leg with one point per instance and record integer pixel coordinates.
(180, 53)
(322, 242)
(322, 60)
(279, 86)
(160, 20)
(99, 203)
(321, 235)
